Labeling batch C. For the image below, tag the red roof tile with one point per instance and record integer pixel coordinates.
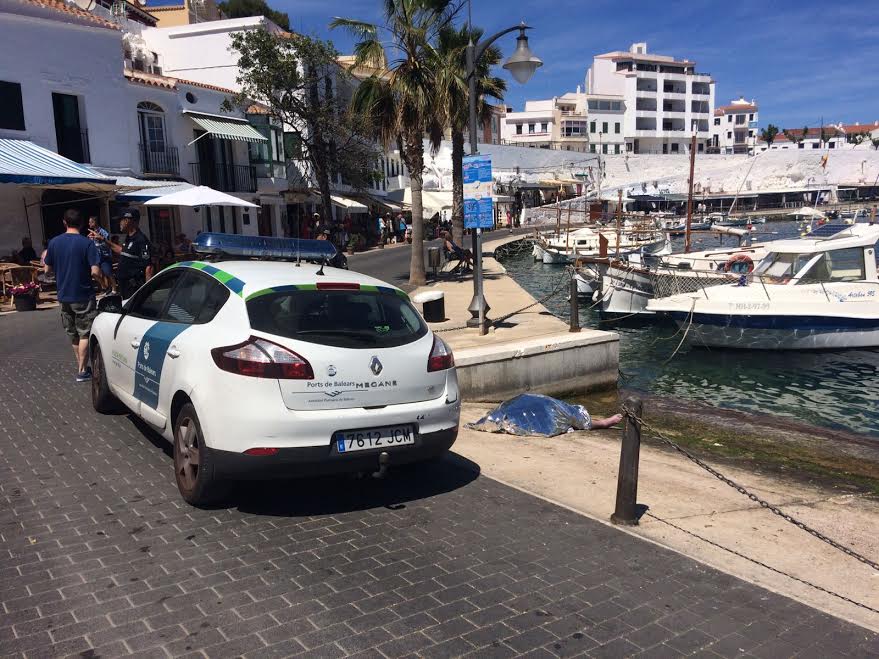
(167, 82)
(62, 7)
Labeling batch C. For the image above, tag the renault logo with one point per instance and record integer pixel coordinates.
(375, 365)
(331, 370)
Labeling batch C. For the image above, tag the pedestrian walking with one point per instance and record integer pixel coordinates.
(135, 260)
(102, 244)
(75, 261)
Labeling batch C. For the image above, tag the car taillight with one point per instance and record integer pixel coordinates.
(259, 358)
(441, 357)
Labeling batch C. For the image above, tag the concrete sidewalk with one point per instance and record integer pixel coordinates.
(579, 471)
(532, 350)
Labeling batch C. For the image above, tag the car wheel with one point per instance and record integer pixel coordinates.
(193, 467)
(102, 399)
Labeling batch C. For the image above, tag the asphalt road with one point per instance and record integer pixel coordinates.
(99, 556)
(392, 263)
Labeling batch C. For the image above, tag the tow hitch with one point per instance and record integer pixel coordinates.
(383, 461)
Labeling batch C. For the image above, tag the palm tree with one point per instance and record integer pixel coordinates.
(453, 96)
(399, 97)
(768, 134)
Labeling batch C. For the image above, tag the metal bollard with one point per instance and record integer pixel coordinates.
(575, 307)
(626, 512)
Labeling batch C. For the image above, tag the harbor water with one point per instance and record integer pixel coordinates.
(836, 389)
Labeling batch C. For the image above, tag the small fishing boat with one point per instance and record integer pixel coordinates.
(818, 292)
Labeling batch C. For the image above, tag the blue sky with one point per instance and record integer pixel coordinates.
(801, 59)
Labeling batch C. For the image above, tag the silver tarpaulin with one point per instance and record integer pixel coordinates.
(534, 414)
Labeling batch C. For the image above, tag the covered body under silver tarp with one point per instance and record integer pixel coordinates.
(534, 414)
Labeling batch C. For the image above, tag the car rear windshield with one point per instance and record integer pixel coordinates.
(339, 318)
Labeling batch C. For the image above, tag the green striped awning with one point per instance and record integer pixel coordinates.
(227, 128)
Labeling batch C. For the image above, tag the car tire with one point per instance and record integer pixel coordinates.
(103, 399)
(193, 463)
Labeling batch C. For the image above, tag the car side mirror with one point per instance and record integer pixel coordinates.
(110, 304)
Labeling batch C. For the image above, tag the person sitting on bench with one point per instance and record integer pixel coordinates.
(465, 256)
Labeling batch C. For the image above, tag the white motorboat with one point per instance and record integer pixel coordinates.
(627, 286)
(819, 292)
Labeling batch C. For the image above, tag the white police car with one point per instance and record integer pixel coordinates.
(257, 368)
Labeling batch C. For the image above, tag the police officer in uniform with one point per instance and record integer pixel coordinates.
(135, 264)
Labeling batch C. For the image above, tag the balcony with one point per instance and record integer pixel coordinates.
(226, 178)
(159, 162)
(572, 113)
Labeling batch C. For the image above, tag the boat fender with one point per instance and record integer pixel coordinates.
(739, 264)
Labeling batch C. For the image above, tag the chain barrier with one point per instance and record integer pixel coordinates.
(764, 565)
(753, 497)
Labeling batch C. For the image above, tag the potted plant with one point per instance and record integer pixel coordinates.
(25, 296)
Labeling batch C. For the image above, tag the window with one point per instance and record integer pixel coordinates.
(518, 129)
(604, 148)
(591, 126)
(674, 147)
(729, 134)
(344, 319)
(815, 145)
(616, 128)
(750, 117)
(616, 149)
(591, 148)
(717, 121)
(801, 146)
(70, 134)
(11, 108)
(846, 264)
(604, 127)
(729, 118)
(616, 106)
(831, 145)
(545, 127)
(740, 119)
(150, 300)
(530, 129)
(197, 299)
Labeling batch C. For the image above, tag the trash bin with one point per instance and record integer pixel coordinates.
(434, 259)
(433, 306)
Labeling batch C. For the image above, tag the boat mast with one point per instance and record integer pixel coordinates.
(687, 236)
(619, 217)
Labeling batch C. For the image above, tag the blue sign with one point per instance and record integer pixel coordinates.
(478, 191)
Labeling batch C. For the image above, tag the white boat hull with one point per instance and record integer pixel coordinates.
(718, 335)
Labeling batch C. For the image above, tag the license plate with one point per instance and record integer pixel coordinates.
(374, 438)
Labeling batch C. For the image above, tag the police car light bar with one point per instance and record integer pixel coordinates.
(261, 247)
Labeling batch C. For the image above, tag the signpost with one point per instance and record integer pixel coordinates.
(478, 193)
(478, 215)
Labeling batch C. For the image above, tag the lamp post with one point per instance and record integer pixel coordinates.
(521, 64)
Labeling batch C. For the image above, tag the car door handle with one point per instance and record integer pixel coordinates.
(135, 342)
(173, 352)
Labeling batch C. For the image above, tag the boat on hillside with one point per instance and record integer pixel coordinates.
(818, 292)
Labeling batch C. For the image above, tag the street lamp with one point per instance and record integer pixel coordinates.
(521, 64)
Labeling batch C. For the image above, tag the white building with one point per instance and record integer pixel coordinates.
(734, 129)
(832, 136)
(663, 98)
(78, 99)
(572, 122)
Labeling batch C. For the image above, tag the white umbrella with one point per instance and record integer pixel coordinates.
(199, 196)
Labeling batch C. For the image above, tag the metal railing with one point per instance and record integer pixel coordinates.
(159, 162)
(223, 177)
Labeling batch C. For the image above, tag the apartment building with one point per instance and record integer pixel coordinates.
(663, 99)
(572, 122)
(734, 128)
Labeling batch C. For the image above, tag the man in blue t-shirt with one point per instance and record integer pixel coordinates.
(75, 261)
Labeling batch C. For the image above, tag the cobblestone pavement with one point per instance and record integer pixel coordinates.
(100, 557)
